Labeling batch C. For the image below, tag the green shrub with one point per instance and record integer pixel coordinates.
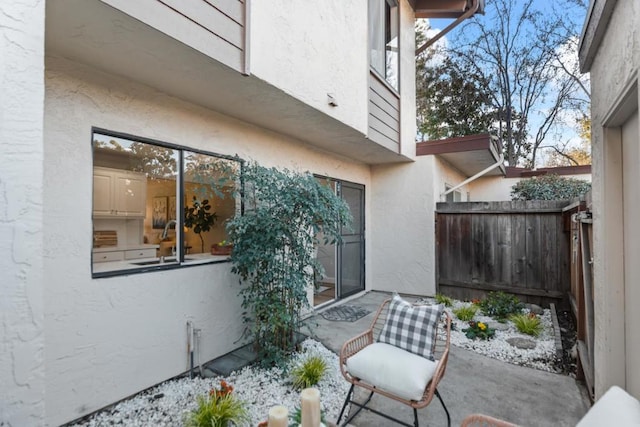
(286, 213)
(500, 305)
(527, 324)
(443, 299)
(219, 409)
(309, 372)
(466, 312)
(549, 187)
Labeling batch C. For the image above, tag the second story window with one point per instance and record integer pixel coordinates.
(383, 39)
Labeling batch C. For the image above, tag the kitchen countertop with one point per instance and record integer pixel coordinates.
(190, 259)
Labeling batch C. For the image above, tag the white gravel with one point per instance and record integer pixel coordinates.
(168, 403)
(541, 357)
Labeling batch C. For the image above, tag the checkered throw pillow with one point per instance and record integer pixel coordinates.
(411, 328)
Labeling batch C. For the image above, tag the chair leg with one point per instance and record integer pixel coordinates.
(345, 404)
(415, 417)
(445, 408)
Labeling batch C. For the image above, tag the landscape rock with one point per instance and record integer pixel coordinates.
(522, 343)
(498, 326)
(535, 309)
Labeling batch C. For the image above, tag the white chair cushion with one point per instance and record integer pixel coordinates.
(392, 369)
(615, 408)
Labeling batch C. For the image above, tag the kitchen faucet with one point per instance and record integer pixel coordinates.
(166, 228)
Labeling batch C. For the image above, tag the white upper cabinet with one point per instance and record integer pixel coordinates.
(119, 193)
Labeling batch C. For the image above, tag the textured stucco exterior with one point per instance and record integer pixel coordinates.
(615, 66)
(446, 175)
(22, 366)
(310, 52)
(108, 338)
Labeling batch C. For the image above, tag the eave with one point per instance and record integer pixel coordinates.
(469, 154)
(440, 8)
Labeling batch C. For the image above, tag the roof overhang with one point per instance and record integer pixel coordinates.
(93, 33)
(444, 8)
(458, 9)
(469, 154)
(595, 26)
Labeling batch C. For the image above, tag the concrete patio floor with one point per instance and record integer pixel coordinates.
(472, 384)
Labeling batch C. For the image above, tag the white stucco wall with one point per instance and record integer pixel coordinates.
(498, 188)
(21, 202)
(402, 218)
(444, 174)
(407, 81)
(310, 51)
(616, 63)
(111, 337)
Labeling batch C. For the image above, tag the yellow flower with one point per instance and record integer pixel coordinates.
(482, 326)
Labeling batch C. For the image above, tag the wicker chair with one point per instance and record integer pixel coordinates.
(369, 337)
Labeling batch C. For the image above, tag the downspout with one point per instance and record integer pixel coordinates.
(443, 196)
(469, 13)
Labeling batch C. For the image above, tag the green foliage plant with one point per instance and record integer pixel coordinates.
(274, 242)
(500, 305)
(309, 372)
(443, 299)
(199, 218)
(466, 312)
(479, 330)
(219, 408)
(527, 324)
(549, 187)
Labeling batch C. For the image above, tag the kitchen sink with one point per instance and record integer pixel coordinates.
(157, 261)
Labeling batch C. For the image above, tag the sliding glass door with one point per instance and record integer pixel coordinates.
(350, 254)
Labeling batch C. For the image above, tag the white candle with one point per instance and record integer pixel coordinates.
(310, 407)
(278, 417)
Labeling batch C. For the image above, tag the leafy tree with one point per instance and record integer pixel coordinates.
(450, 103)
(273, 252)
(574, 155)
(519, 53)
(199, 218)
(549, 187)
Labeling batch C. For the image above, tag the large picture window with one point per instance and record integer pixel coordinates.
(383, 39)
(157, 205)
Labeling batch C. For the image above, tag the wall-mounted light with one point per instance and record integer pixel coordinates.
(331, 100)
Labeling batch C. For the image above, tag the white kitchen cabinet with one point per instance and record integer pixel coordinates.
(140, 253)
(119, 193)
(108, 256)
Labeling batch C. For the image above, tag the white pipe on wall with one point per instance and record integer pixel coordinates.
(443, 196)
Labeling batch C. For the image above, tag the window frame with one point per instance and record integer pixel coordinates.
(180, 188)
(382, 29)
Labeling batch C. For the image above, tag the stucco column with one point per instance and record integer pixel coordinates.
(21, 198)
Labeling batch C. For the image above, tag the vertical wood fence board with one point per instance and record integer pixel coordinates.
(519, 246)
(504, 254)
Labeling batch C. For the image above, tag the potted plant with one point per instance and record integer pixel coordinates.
(199, 218)
(222, 248)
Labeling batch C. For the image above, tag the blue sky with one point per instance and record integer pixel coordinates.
(566, 133)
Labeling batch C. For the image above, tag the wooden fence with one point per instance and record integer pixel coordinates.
(581, 296)
(517, 247)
